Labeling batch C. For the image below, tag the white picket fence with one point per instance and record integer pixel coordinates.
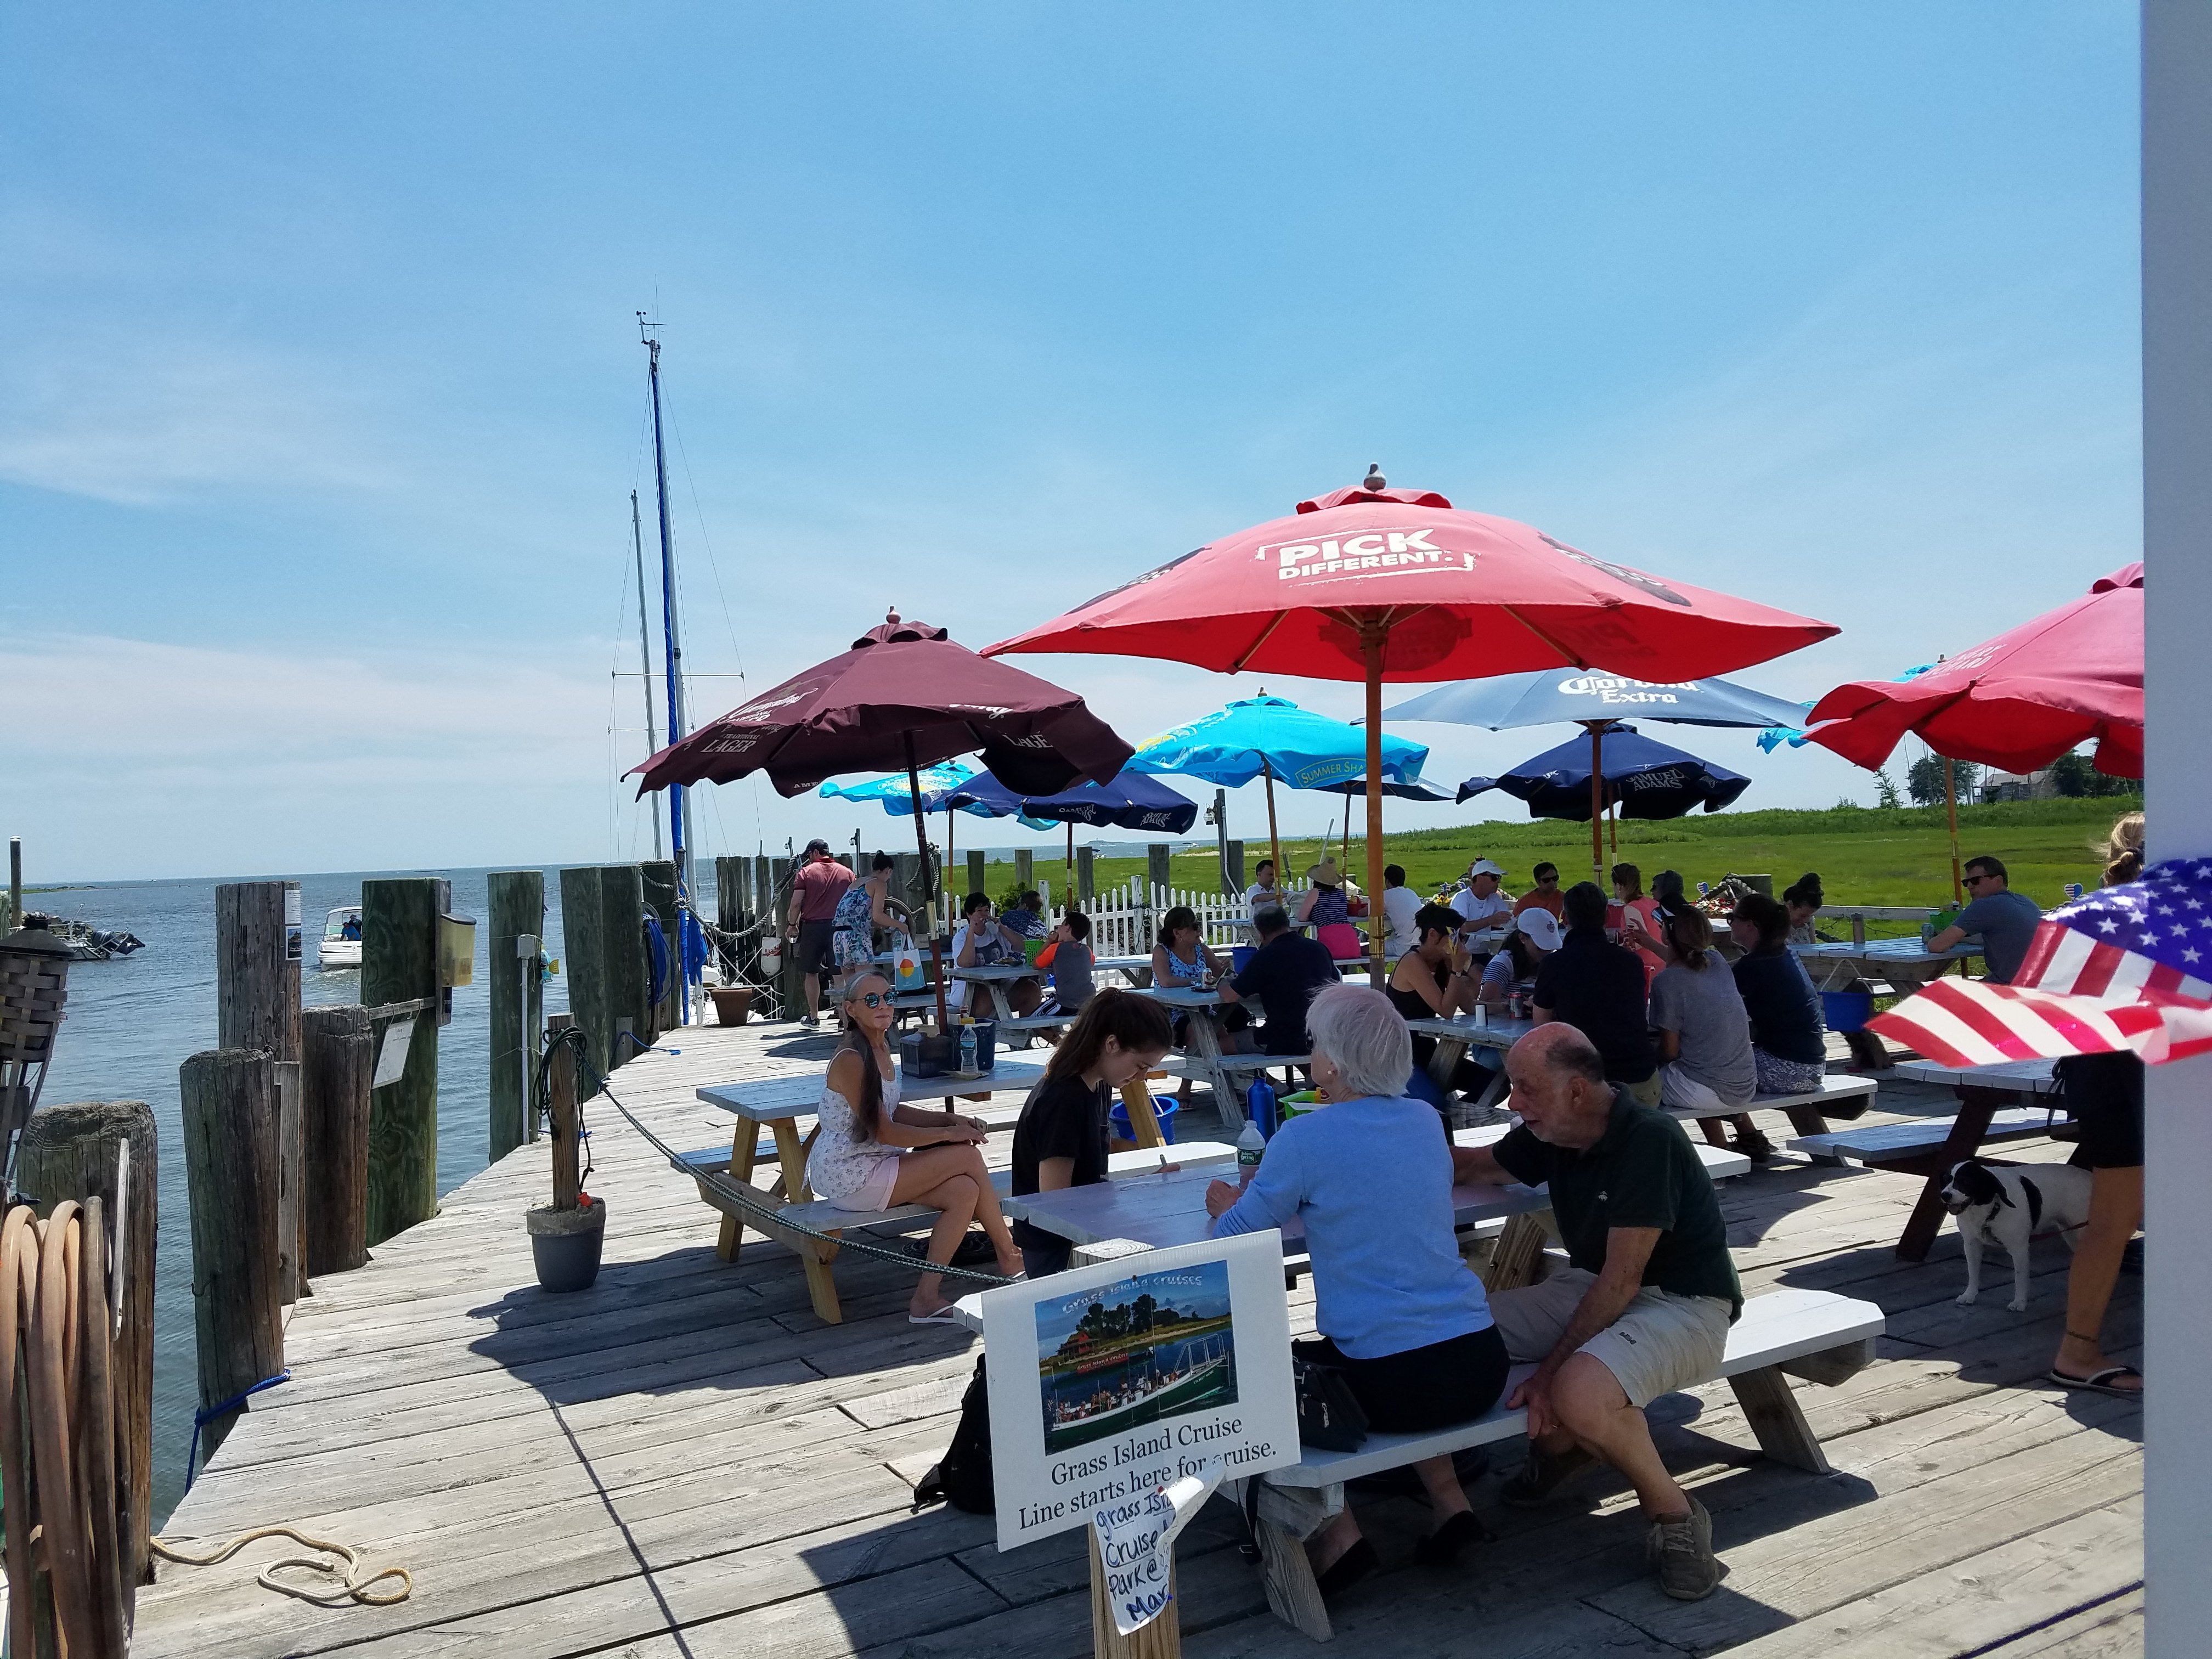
(1125, 921)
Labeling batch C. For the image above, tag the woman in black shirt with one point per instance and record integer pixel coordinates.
(1061, 1140)
(1425, 984)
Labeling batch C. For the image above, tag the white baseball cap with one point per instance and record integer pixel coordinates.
(1541, 926)
(1485, 867)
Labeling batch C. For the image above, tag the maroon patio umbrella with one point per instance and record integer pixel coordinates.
(904, 695)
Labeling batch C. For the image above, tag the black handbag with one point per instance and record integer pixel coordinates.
(1329, 1418)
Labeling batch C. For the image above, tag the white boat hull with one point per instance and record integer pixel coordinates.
(339, 953)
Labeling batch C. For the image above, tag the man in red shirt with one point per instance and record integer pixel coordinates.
(816, 887)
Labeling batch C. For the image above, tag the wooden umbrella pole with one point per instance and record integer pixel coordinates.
(928, 899)
(1951, 806)
(1274, 841)
(1597, 801)
(951, 816)
(1371, 639)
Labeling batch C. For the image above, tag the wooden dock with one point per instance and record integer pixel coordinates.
(683, 1461)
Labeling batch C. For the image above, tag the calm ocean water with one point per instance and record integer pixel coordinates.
(131, 1023)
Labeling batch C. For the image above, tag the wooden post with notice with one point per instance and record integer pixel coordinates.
(107, 1149)
(561, 1104)
(337, 1055)
(399, 971)
(231, 1178)
(517, 901)
(1160, 1639)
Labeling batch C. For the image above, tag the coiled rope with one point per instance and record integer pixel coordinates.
(347, 1586)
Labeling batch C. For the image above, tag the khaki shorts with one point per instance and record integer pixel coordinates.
(1661, 1344)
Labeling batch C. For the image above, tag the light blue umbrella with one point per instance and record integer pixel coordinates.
(1790, 732)
(1273, 738)
(1558, 695)
(937, 783)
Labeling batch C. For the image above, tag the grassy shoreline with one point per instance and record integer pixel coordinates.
(1864, 855)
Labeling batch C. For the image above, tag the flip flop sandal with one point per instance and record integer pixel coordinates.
(2097, 1381)
(942, 1316)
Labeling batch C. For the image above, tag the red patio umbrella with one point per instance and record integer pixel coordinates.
(2017, 701)
(1379, 584)
(905, 696)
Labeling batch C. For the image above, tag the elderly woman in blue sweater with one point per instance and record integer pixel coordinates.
(1399, 1314)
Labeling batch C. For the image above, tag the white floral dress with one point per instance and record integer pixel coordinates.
(852, 1170)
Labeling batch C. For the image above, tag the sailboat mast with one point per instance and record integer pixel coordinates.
(644, 653)
(674, 649)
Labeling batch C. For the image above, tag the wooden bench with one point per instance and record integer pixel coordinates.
(1026, 1024)
(1927, 1147)
(1815, 1334)
(1808, 1112)
(819, 1215)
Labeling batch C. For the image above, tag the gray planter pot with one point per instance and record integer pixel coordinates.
(565, 1244)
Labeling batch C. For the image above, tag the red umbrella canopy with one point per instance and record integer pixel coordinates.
(905, 696)
(2017, 701)
(1463, 595)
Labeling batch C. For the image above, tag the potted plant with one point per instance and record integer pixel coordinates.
(732, 1003)
(568, 1235)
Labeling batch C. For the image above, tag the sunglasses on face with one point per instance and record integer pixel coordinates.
(1974, 881)
(873, 998)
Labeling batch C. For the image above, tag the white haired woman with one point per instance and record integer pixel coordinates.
(1400, 1313)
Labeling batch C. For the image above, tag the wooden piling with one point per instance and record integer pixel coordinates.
(337, 1057)
(790, 993)
(517, 901)
(978, 879)
(230, 1174)
(291, 1213)
(603, 937)
(1086, 881)
(399, 965)
(657, 881)
(1025, 869)
(257, 967)
(561, 1109)
(1157, 869)
(76, 1151)
(1232, 868)
(729, 915)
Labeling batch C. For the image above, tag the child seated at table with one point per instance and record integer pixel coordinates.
(1061, 1139)
(872, 1153)
(1071, 963)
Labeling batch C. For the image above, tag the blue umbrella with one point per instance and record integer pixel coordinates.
(1646, 778)
(1131, 801)
(1559, 695)
(936, 781)
(1273, 738)
(1790, 731)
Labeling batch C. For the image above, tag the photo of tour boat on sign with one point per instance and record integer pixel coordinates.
(1150, 1346)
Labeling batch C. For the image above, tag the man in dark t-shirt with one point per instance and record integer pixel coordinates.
(1284, 974)
(1598, 987)
(1645, 1306)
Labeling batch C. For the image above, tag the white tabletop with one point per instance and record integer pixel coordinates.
(1180, 996)
(1499, 1033)
(1004, 972)
(2020, 1077)
(769, 1098)
(1720, 1163)
(1897, 950)
(1170, 1209)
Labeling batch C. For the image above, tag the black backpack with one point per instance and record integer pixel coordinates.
(962, 1477)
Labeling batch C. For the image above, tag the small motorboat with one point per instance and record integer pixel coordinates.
(341, 946)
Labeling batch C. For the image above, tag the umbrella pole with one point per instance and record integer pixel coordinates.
(1951, 806)
(1597, 801)
(929, 898)
(1371, 638)
(1274, 841)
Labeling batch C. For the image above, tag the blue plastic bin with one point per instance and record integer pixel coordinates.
(1847, 1011)
(1164, 1109)
(1240, 957)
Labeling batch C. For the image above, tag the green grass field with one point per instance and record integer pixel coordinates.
(1864, 855)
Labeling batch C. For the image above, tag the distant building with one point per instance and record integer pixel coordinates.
(2018, 786)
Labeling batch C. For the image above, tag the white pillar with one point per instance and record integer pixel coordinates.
(2177, 280)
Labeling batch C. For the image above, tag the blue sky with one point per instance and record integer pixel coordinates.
(321, 398)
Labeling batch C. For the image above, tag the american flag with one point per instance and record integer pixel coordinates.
(2124, 969)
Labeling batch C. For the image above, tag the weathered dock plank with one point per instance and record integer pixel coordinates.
(682, 1462)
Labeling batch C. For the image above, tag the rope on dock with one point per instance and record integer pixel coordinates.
(349, 1586)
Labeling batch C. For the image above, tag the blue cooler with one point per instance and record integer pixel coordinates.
(1847, 1011)
(1164, 1109)
(1240, 957)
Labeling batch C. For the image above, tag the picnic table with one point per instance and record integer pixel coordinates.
(993, 980)
(1201, 1048)
(1995, 1104)
(781, 1102)
(1906, 963)
(1456, 1034)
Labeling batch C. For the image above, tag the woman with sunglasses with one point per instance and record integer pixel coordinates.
(871, 1153)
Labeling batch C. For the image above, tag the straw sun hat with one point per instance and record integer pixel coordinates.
(1326, 873)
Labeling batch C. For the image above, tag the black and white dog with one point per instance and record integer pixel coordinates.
(2007, 1204)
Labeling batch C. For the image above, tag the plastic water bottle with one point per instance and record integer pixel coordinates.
(1251, 1147)
(967, 1048)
